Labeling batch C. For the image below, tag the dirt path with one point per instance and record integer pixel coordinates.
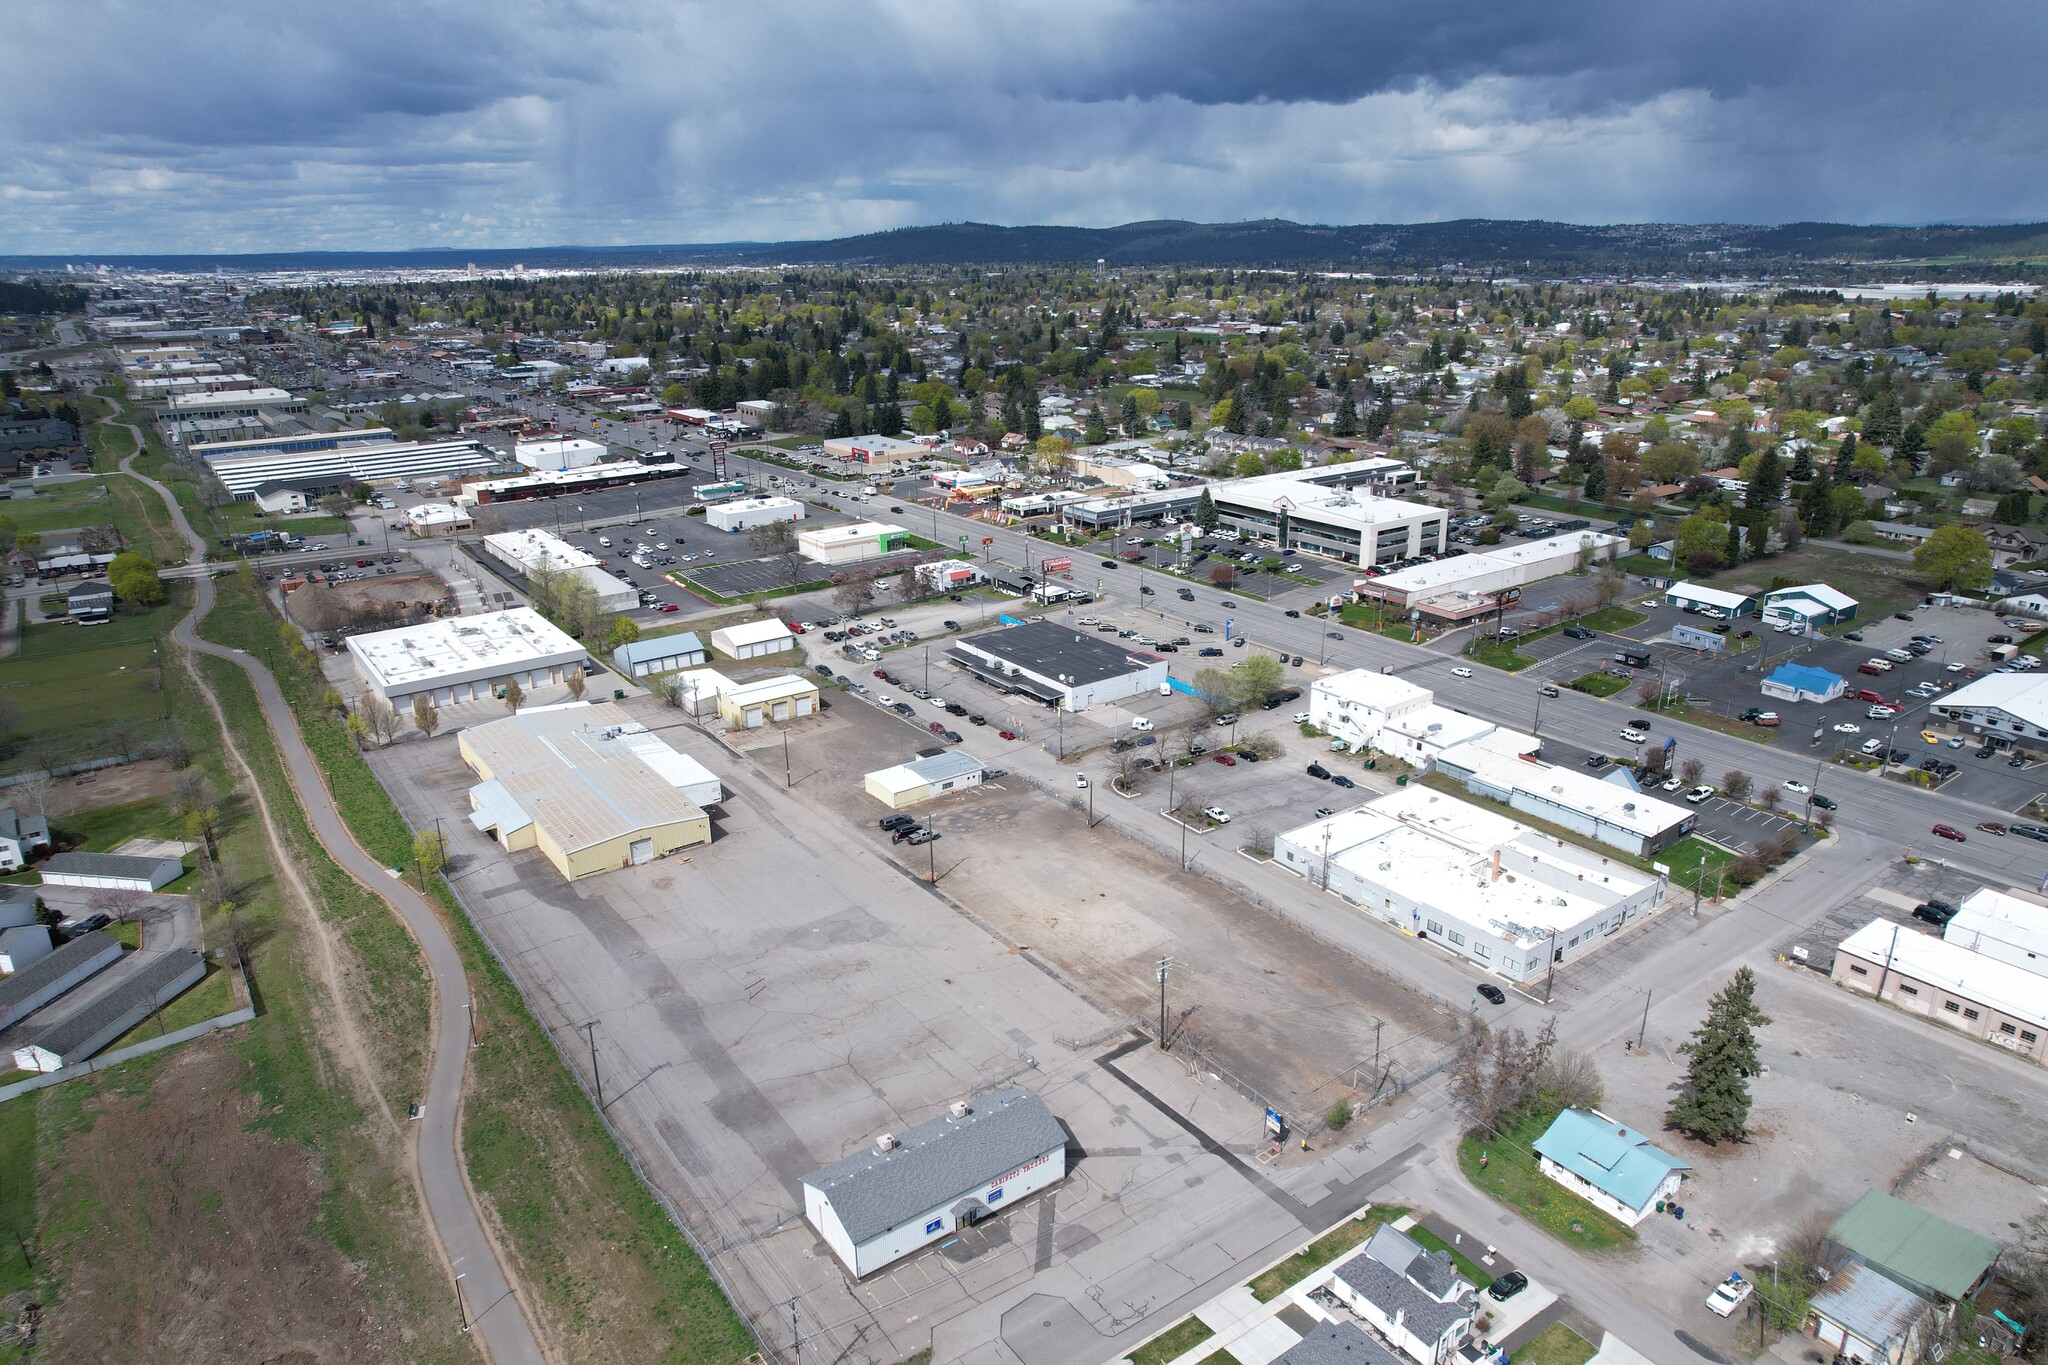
(503, 1328)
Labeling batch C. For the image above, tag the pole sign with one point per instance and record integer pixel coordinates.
(1226, 627)
(1276, 1122)
(718, 461)
(987, 541)
(1055, 565)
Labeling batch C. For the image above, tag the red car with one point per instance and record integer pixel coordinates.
(668, 606)
(1991, 827)
(882, 673)
(938, 728)
(1005, 734)
(1226, 760)
(1951, 832)
(796, 628)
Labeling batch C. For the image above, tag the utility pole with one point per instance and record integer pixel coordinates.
(1645, 1028)
(1165, 968)
(1550, 973)
(1377, 1025)
(461, 1306)
(786, 780)
(589, 1028)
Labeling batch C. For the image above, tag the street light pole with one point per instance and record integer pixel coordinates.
(590, 1030)
(1165, 969)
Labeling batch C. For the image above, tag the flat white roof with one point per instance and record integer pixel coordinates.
(1609, 802)
(858, 530)
(1819, 592)
(750, 633)
(2005, 987)
(1986, 914)
(1709, 597)
(566, 446)
(489, 646)
(1372, 689)
(1444, 574)
(755, 504)
(587, 774)
(570, 478)
(1438, 850)
(234, 398)
(435, 514)
(767, 689)
(529, 548)
(2020, 694)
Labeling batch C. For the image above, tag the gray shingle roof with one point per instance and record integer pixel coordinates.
(105, 865)
(1337, 1343)
(37, 975)
(1391, 1290)
(937, 1162)
(137, 995)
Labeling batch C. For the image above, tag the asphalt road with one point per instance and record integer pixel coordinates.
(506, 1334)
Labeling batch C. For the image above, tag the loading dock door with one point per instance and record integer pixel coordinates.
(643, 851)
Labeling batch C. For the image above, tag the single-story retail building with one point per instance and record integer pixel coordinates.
(1491, 571)
(849, 543)
(876, 451)
(531, 551)
(1503, 895)
(1976, 993)
(464, 658)
(2013, 704)
(652, 654)
(750, 705)
(1608, 1164)
(753, 639)
(1802, 682)
(82, 1033)
(906, 1191)
(111, 871)
(1057, 665)
(2003, 926)
(744, 514)
(587, 785)
(922, 779)
(1372, 710)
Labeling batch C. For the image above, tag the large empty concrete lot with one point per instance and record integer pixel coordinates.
(771, 1002)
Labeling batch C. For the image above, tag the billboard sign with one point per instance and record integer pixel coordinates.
(1055, 565)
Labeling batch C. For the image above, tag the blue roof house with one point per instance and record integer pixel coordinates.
(1801, 682)
(1610, 1165)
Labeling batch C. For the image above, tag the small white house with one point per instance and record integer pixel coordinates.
(908, 784)
(20, 837)
(752, 639)
(22, 945)
(1609, 1165)
(1413, 1298)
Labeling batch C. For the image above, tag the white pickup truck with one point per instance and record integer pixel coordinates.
(1729, 1294)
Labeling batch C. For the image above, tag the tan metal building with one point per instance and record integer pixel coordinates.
(786, 696)
(588, 786)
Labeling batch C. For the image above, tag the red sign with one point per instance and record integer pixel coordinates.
(1056, 565)
(988, 540)
(718, 447)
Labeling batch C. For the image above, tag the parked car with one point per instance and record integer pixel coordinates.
(1934, 912)
(1729, 1295)
(1698, 794)
(1575, 633)
(1339, 780)
(1514, 1282)
(1950, 832)
(1497, 996)
(1217, 814)
(1226, 760)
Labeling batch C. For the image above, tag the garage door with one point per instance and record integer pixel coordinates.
(643, 850)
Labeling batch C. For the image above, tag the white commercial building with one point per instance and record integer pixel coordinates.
(752, 639)
(345, 466)
(1505, 896)
(1490, 572)
(1372, 710)
(879, 451)
(905, 1191)
(747, 513)
(654, 654)
(2013, 704)
(1320, 511)
(2002, 926)
(528, 551)
(570, 453)
(438, 519)
(922, 779)
(1056, 665)
(849, 543)
(464, 658)
(763, 701)
(949, 575)
(1610, 809)
(1984, 996)
(1698, 597)
(238, 403)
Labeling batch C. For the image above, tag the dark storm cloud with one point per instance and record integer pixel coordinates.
(236, 126)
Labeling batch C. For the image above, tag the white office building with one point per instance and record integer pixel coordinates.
(559, 454)
(464, 658)
(747, 513)
(1610, 809)
(1058, 666)
(1340, 512)
(528, 551)
(1376, 711)
(1487, 887)
(1463, 577)
(2014, 704)
(236, 403)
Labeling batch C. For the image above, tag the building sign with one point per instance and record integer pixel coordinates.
(936, 1225)
(1276, 1123)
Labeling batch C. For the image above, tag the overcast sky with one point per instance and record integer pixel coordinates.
(229, 126)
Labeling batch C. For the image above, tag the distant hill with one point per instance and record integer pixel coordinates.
(1472, 243)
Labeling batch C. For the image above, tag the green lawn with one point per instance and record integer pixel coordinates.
(1557, 1344)
(1467, 1267)
(106, 828)
(62, 507)
(17, 1191)
(73, 697)
(1220, 1358)
(1611, 618)
(209, 999)
(1692, 859)
(1325, 1249)
(1175, 1341)
(1598, 684)
(1511, 1176)
(1501, 654)
(129, 626)
(1684, 710)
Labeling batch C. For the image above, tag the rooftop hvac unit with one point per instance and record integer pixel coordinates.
(886, 1143)
(960, 1109)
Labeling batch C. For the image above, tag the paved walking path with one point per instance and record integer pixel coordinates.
(499, 1317)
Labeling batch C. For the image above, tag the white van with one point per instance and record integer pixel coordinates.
(1142, 723)
(605, 541)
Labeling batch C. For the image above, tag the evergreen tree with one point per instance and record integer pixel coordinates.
(1802, 465)
(1098, 431)
(1205, 512)
(1347, 418)
(1713, 1106)
(1734, 553)
(1845, 455)
(1817, 507)
(1184, 416)
(1738, 446)
(1596, 480)
(842, 425)
(1767, 484)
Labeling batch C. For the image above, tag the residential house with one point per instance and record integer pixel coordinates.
(2016, 544)
(20, 837)
(1867, 1317)
(1413, 1298)
(1910, 1246)
(1330, 1342)
(1608, 1164)
(90, 604)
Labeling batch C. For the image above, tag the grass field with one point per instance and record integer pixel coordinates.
(62, 507)
(1880, 586)
(1273, 1283)
(1174, 1342)
(1692, 861)
(129, 626)
(1557, 1344)
(1512, 1177)
(607, 1269)
(208, 999)
(1598, 684)
(106, 828)
(71, 698)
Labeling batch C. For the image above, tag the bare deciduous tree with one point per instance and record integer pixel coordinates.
(1495, 1074)
(425, 715)
(381, 717)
